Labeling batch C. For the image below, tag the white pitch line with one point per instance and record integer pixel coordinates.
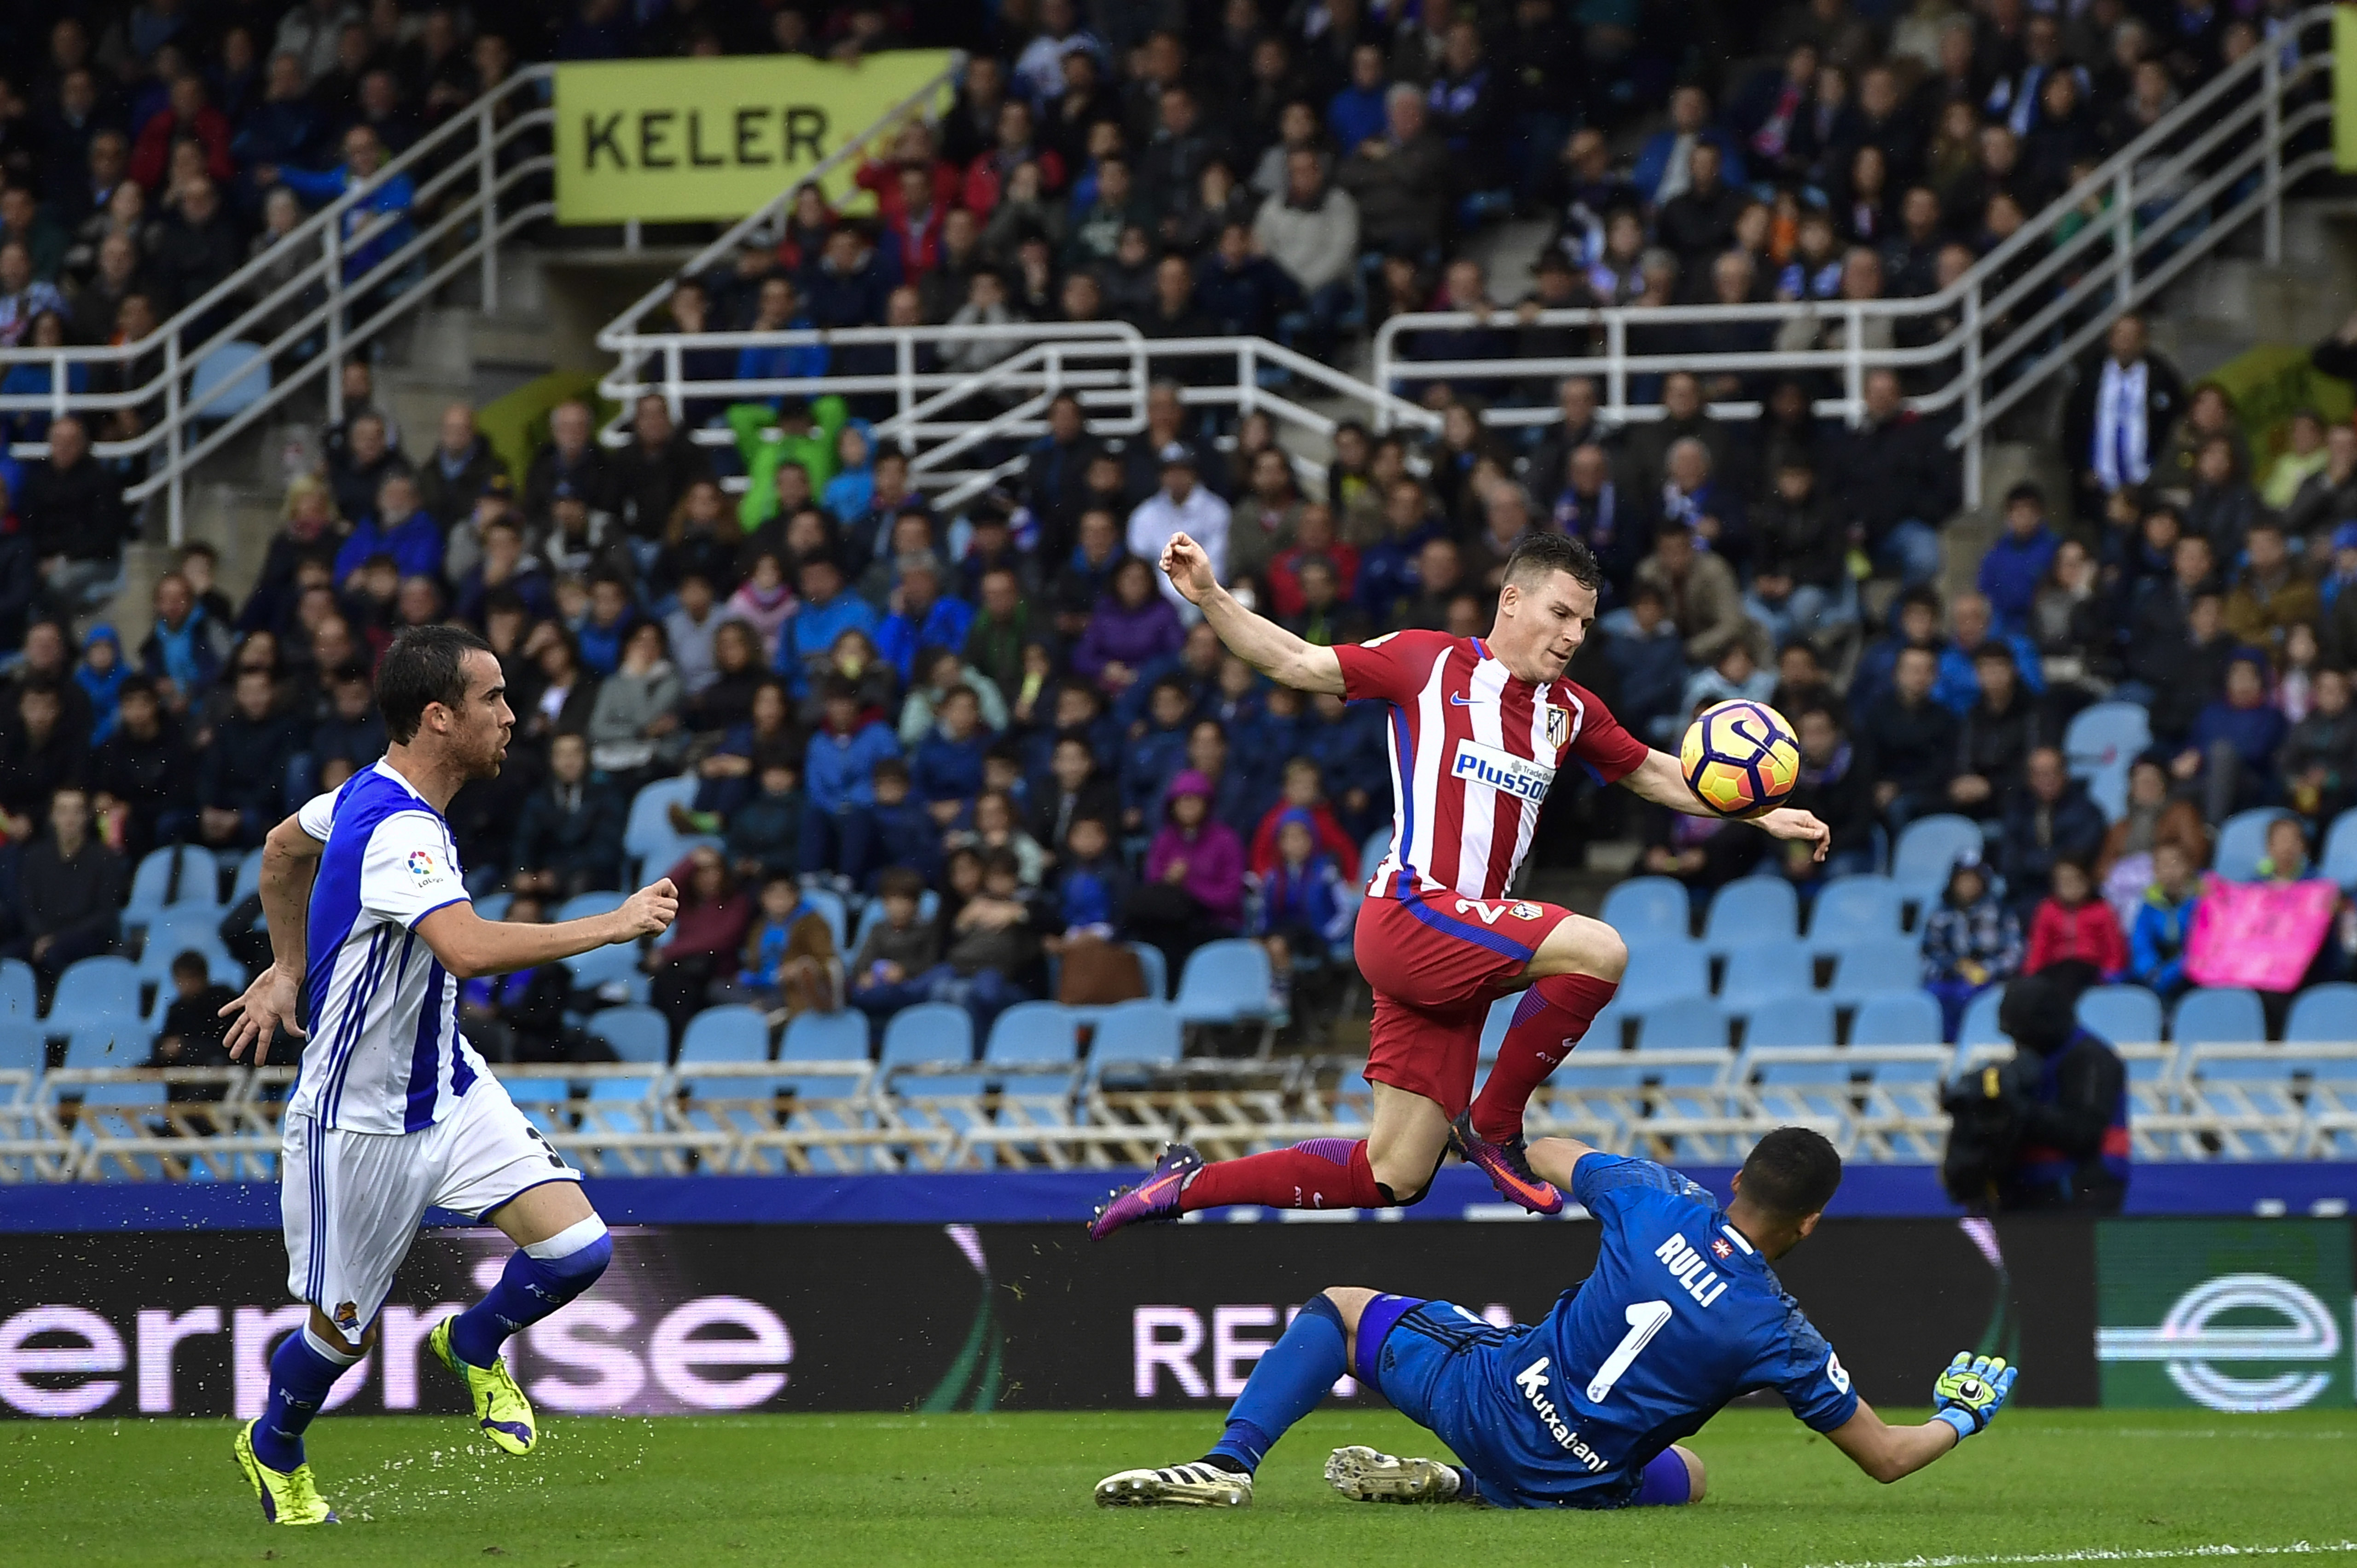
(2109, 1554)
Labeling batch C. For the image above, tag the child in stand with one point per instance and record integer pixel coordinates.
(194, 1032)
(898, 950)
(2073, 924)
(764, 834)
(789, 965)
(1970, 942)
(1093, 885)
(1303, 909)
(101, 675)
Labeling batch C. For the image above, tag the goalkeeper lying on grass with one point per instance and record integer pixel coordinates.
(1585, 1409)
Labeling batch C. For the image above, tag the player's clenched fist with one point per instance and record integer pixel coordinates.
(1188, 569)
(1971, 1391)
(650, 911)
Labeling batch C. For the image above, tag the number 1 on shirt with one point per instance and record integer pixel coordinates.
(1645, 1319)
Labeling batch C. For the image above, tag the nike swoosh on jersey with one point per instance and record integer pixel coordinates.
(1458, 699)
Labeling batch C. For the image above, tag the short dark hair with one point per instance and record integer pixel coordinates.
(425, 664)
(1792, 1173)
(189, 961)
(1541, 554)
(901, 882)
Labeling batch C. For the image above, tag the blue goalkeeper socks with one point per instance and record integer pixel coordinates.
(538, 1280)
(302, 1370)
(1298, 1370)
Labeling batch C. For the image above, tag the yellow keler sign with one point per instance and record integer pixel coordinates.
(679, 140)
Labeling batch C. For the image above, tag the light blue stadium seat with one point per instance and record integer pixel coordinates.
(1752, 909)
(19, 999)
(729, 1032)
(929, 1032)
(494, 905)
(101, 1045)
(2121, 1014)
(1691, 1022)
(2322, 1015)
(151, 884)
(581, 906)
(1889, 963)
(22, 1047)
(1853, 909)
(155, 965)
(2106, 734)
(229, 380)
(2242, 842)
(828, 904)
(1756, 970)
(248, 880)
(2218, 1015)
(1135, 1035)
(616, 961)
(1806, 1019)
(1156, 970)
(825, 1038)
(101, 993)
(1663, 971)
(1034, 1032)
(648, 837)
(1896, 1018)
(1648, 910)
(2339, 860)
(1928, 850)
(638, 1033)
(1224, 982)
(1371, 853)
(1979, 1026)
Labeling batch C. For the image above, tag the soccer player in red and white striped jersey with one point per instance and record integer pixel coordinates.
(1480, 726)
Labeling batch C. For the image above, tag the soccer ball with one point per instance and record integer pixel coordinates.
(1739, 758)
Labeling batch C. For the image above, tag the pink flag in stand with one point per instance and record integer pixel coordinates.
(2259, 934)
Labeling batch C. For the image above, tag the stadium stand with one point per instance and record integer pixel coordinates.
(853, 463)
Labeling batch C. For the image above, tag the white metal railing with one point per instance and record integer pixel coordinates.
(941, 415)
(461, 211)
(2166, 200)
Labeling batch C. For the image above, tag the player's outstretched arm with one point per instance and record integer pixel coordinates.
(1970, 1392)
(468, 945)
(1257, 640)
(290, 859)
(1659, 779)
(1556, 1159)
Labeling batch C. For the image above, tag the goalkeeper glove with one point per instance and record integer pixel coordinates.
(1971, 1391)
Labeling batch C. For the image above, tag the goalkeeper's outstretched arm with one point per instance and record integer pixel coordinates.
(1966, 1398)
(1257, 640)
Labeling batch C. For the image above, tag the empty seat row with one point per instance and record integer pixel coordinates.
(1663, 970)
(1753, 910)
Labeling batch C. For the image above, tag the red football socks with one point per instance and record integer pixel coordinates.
(1554, 1016)
(1324, 1173)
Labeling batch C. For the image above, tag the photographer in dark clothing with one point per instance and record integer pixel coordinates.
(2047, 1130)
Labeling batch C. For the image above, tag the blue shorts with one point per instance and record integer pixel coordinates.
(1427, 1359)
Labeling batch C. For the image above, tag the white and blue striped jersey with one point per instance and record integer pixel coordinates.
(385, 1053)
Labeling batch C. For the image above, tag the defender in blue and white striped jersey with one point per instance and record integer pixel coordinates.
(393, 1113)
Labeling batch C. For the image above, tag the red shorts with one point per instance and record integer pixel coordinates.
(1436, 963)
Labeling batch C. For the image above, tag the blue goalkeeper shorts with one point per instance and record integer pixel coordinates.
(1435, 1361)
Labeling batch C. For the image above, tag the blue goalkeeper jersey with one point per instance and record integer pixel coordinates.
(1680, 1316)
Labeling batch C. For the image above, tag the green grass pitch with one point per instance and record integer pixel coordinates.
(2039, 1487)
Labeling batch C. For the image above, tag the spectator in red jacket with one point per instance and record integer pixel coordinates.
(913, 145)
(189, 115)
(2073, 924)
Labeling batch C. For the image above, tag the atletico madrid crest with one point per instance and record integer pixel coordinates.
(1559, 727)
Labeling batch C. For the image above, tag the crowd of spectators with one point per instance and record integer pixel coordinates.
(1003, 706)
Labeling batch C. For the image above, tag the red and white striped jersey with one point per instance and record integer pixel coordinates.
(1474, 751)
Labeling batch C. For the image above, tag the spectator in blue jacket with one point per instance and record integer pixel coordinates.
(1351, 743)
(1661, 163)
(2230, 755)
(399, 527)
(1387, 568)
(374, 226)
(781, 310)
(925, 618)
(947, 768)
(1243, 292)
(1154, 754)
(838, 782)
(1303, 910)
(2163, 921)
(828, 610)
(2019, 560)
(1958, 687)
